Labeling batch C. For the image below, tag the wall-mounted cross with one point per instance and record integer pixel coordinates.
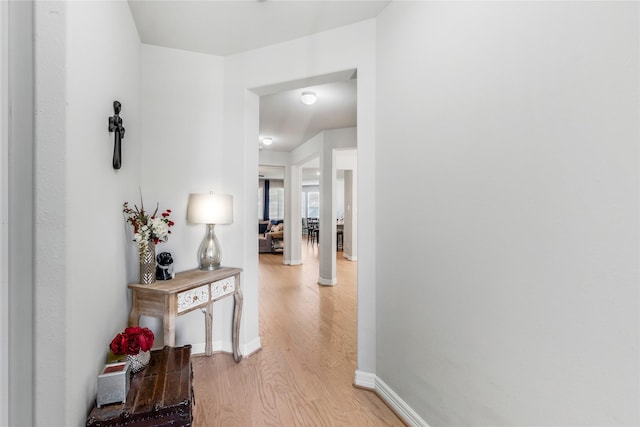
(115, 125)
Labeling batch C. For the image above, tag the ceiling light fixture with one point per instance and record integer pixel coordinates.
(308, 98)
(267, 141)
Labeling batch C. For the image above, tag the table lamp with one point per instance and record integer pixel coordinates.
(210, 209)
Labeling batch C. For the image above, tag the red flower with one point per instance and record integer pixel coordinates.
(118, 344)
(132, 330)
(133, 340)
(133, 345)
(146, 339)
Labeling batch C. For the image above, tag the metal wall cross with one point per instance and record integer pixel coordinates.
(115, 125)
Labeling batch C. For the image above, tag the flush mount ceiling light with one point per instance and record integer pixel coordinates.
(267, 141)
(308, 98)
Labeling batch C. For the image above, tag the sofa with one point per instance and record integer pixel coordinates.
(270, 236)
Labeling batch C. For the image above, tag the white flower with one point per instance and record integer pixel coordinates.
(160, 228)
(147, 229)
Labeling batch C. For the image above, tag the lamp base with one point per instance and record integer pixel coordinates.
(210, 251)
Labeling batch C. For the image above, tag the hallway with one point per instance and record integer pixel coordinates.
(304, 373)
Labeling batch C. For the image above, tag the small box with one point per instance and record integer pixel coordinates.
(113, 383)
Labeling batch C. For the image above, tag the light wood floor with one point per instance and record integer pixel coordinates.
(303, 375)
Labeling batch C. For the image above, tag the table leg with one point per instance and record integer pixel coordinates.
(208, 320)
(134, 317)
(237, 314)
(169, 321)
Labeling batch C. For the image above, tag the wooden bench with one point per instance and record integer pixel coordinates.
(160, 395)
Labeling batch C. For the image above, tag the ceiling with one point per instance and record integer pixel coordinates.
(290, 123)
(224, 28)
(229, 27)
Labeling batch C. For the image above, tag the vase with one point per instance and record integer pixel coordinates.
(139, 361)
(148, 264)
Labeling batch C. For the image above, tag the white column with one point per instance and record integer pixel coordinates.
(293, 220)
(327, 217)
(350, 243)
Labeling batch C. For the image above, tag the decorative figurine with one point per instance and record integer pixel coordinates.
(164, 266)
(115, 125)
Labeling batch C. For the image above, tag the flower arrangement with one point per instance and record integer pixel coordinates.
(148, 228)
(132, 341)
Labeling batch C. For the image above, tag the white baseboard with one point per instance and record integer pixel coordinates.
(197, 348)
(399, 406)
(365, 380)
(293, 262)
(327, 282)
(218, 347)
(349, 257)
(251, 347)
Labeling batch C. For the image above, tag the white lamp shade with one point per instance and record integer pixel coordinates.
(210, 209)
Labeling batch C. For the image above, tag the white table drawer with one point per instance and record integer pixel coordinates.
(223, 287)
(193, 297)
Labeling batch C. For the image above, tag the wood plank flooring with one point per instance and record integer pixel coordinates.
(304, 373)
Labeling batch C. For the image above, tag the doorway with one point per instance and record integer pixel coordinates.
(308, 145)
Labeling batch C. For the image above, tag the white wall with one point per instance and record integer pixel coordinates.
(87, 57)
(344, 48)
(20, 206)
(4, 213)
(182, 145)
(275, 158)
(508, 294)
(88, 54)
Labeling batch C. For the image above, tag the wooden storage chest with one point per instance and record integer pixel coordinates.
(160, 395)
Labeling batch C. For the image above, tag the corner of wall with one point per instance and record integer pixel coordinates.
(370, 381)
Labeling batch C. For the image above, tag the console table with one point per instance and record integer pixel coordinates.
(188, 291)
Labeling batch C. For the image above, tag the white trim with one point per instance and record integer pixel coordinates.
(365, 380)
(216, 347)
(401, 408)
(226, 347)
(198, 348)
(4, 207)
(349, 257)
(371, 381)
(327, 282)
(251, 347)
(293, 262)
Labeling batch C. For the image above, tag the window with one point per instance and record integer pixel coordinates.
(303, 204)
(276, 203)
(276, 199)
(313, 204)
